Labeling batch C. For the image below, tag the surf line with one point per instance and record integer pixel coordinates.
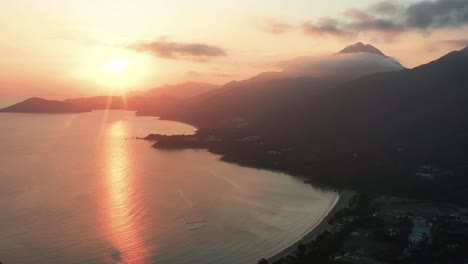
(196, 222)
(195, 228)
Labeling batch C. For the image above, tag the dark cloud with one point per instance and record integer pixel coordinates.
(325, 26)
(437, 14)
(385, 8)
(274, 26)
(356, 14)
(180, 51)
(376, 24)
(391, 19)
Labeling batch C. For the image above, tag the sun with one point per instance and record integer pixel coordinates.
(115, 65)
(113, 72)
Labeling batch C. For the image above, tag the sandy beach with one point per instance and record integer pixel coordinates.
(344, 198)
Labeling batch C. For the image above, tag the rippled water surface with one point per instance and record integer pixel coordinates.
(77, 188)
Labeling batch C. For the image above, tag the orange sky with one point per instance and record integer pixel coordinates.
(56, 48)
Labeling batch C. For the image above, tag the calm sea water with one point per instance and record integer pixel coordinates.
(76, 188)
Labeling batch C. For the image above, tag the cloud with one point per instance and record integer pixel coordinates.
(274, 26)
(193, 74)
(325, 26)
(391, 19)
(356, 14)
(385, 8)
(438, 14)
(198, 52)
(453, 43)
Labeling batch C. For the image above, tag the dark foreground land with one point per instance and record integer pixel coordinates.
(374, 228)
(399, 172)
(386, 229)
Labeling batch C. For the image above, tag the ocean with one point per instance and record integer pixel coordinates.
(79, 188)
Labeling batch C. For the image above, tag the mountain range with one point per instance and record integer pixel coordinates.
(180, 91)
(380, 130)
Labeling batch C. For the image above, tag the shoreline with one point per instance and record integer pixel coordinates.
(342, 202)
(312, 232)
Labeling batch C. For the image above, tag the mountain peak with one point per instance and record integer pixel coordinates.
(361, 47)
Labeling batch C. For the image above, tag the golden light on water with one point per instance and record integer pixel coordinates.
(122, 210)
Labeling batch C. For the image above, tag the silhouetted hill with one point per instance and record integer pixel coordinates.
(99, 102)
(306, 98)
(145, 105)
(39, 105)
(375, 133)
(259, 100)
(268, 95)
(180, 91)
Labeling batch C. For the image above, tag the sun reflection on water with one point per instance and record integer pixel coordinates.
(122, 210)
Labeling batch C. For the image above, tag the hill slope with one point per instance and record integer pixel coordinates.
(373, 133)
(39, 105)
(180, 91)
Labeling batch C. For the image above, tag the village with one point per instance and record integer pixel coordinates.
(385, 229)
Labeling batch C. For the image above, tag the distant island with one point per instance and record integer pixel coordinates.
(39, 105)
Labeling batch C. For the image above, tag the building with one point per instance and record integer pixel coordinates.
(421, 233)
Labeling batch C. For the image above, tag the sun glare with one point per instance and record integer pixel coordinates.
(116, 65)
